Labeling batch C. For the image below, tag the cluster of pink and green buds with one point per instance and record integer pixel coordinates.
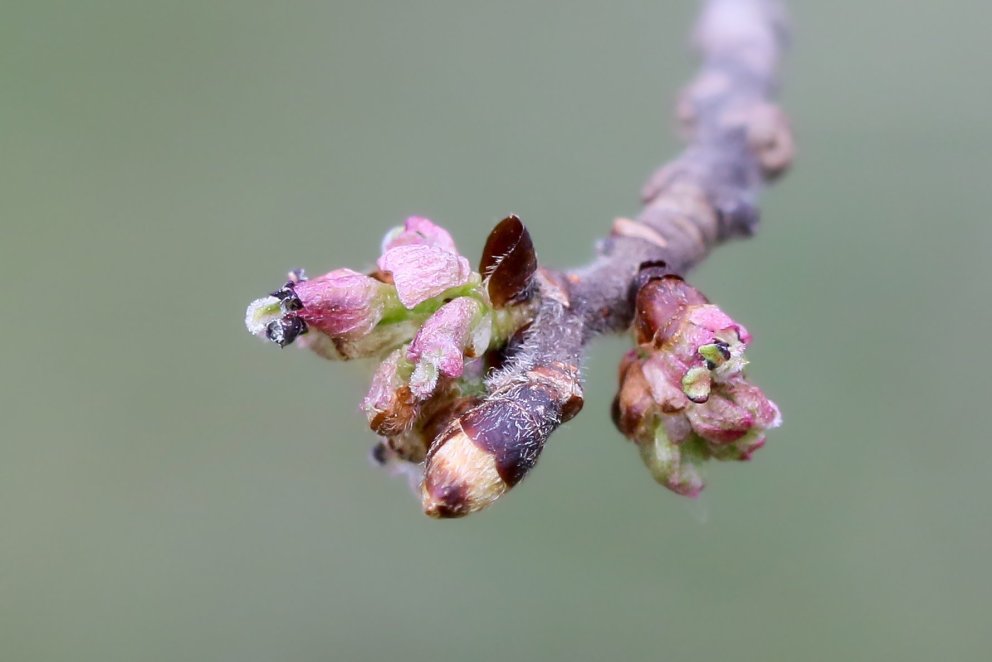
(424, 313)
(683, 396)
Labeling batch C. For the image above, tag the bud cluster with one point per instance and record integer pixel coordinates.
(683, 396)
(430, 319)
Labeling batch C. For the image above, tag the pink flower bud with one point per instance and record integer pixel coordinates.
(457, 330)
(419, 231)
(422, 272)
(710, 319)
(342, 303)
(739, 413)
(389, 404)
(683, 396)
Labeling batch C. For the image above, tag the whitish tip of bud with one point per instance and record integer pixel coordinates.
(260, 313)
(460, 477)
(425, 375)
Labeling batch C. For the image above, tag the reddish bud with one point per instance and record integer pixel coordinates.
(660, 306)
(635, 405)
(687, 399)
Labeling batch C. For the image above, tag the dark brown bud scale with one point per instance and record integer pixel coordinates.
(492, 446)
(514, 427)
(565, 381)
(509, 262)
(435, 422)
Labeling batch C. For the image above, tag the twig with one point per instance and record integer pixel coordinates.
(683, 396)
(737, 140)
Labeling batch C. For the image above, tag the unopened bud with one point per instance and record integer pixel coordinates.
(459, 329)
(683, 397)
(422, 272)
(419, 231)
(460, 477)
(675, 467)
(734, 410)
(490, 448)
(389, 405)
(342, 303)
(342, 306)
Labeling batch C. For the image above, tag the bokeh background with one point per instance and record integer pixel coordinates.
(173, 489)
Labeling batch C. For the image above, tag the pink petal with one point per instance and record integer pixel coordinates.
(342, 303)
(422, 272)
(711, 320)
(419, 231)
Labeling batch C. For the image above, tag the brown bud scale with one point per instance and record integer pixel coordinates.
(509, 262)
(659, 304)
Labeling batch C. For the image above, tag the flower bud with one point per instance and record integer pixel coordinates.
(340, 308)
(390, 406)
(683, 397)
(736, 409)
(460, 476)
(342, 303)
(459, 329)
(491, 447)
(422, 272)
(419, 231)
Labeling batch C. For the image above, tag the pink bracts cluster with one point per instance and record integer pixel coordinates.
(437, 329)
(424, 312)
(683, 395)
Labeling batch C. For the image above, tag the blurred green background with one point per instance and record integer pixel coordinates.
(173, 489)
